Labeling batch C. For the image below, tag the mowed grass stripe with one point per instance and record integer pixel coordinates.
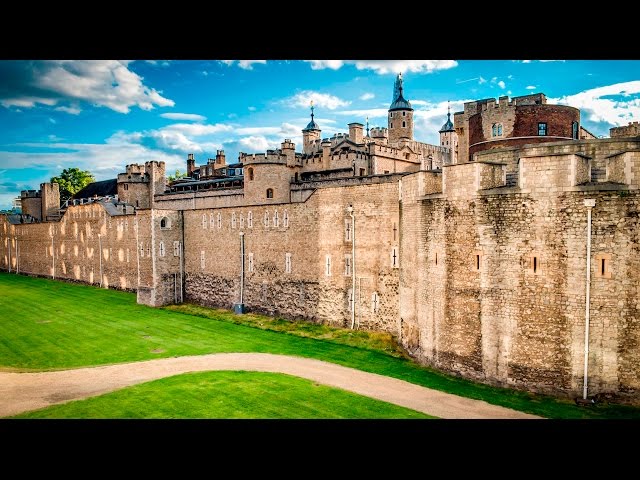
(229, 395)
(93, 326)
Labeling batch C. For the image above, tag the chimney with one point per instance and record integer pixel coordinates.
(191, 165)
(355, 133)
(220, 157)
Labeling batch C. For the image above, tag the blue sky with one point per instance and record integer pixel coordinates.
(102, 115)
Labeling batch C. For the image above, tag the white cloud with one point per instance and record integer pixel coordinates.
(252, 109)
(256, 143)
(370, 112)
(27, 102)
(244, 64)
(107, 83)
(386, 66)
(615, 104)
(482, 80)
(367, 96)
(323, 100)
(70, 110)
(198, 129)
(501, 84)
(530, 87)
(184, 116)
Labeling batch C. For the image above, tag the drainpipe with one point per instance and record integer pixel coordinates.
(9, 251)
(241, 268)
(53, 260)
(353, 266)
(100, 249)
(589, 203)
(17, 257)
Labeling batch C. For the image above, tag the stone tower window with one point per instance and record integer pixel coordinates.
(542, 129)
(266, 219)
(535, 263)
(250, 219)
(390, 114)
(395, 261)
(161, 249)
(603, 265)
(176, 249)
(391, 125)
(269, 192)
(347, 265)
(212, 221)
(202, 259)
(287, 263)
(219, 220)
(496, 130)
(165, 223)
(250, 262)
(404, 114)
(327, 265)
(233, 220)
(126, 186)
(204, 220)
(250, 171)
(276, 219)
(574, 130)
(375, 302)
(141, 250)
(347, 230)
(285, 219)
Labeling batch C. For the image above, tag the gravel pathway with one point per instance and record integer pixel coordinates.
(21, 392)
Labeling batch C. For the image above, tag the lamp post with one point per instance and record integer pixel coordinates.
(353, 265)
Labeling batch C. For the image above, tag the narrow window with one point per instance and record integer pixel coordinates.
(233, 220)
(404, 114)
(161, 249)
(212, 220)
(276, 219)
(126, 186)
(436, 258)
(347, 230)
(394, 257)
(204, 220)
(362, 172)
(542, 129)
(202, 259)
(375, 302)
(250, 174)
(390, 114)
(574, 130)
(499, 129)
(603, 269)
(127, 255)
(126, 225)
(287, 263)
(176, 249)
(250, 262)
(250, 220)
(535, 264)
(241, 222)
(350, 299)
(347, 265)
(266, 219)
(494, 130)
(269, 192)
(141, 250)
(327, 271)
(391, 125)
(219, 220)
(148, 250)
(477, 261)
(404, 124)
(285, 219)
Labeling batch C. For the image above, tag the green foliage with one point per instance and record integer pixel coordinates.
(71, 181)
(228, 395)
(178, 174)
(50, 324)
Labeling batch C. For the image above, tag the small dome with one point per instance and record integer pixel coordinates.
(399, 102)
(448, 126)
(312, 126)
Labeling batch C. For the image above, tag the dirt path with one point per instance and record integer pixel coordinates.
(21, 392)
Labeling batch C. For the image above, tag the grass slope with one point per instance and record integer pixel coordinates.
(54, 325)
(228, 395)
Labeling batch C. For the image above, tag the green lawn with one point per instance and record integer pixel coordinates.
(55, 325)
(228, 395)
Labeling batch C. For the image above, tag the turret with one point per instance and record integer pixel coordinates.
(449, 137)
(355, 133)
(400, 114)
(310, 134)
(191, 164)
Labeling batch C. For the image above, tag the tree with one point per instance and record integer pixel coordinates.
(175, 176)
(71, 181)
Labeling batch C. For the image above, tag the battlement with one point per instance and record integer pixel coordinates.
(471, 108)
(30, 194)
(631, 130)
(271, 156)
(379, 132)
